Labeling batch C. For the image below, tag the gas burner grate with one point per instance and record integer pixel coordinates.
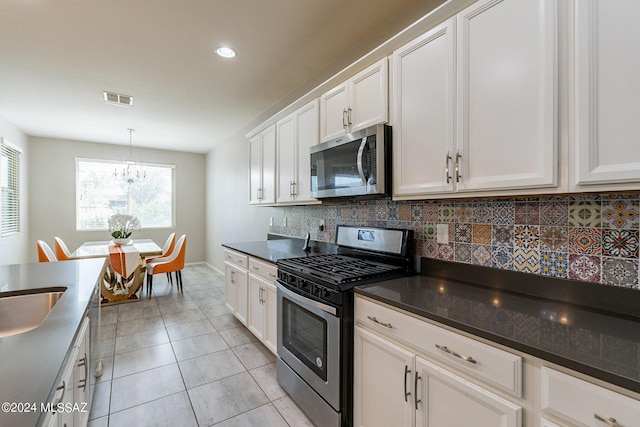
(339, 268)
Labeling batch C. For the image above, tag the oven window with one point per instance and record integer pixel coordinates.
(305, 336)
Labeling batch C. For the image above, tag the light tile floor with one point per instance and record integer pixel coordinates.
(184, 360)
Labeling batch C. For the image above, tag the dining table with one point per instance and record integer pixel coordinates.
(125, 267)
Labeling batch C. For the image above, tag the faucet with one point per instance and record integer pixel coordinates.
(306, 246)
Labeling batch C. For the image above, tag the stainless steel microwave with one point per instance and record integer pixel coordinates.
(357, 164)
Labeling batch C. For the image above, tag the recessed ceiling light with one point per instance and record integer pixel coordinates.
(226, 52)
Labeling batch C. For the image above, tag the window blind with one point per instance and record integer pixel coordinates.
(10, 184)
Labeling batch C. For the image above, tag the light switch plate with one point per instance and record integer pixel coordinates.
(442, 233)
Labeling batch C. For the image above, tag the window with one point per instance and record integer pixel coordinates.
(10, 184)
(99, 194)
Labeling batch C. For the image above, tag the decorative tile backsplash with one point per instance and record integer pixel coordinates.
(587, 237)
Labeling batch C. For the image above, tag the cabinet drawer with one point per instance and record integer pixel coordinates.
(595, 407)
(236, 258)
(266, 270)
(492, 365)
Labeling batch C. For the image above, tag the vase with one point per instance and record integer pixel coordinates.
(121, 242)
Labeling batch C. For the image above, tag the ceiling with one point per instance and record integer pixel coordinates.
(57, 57)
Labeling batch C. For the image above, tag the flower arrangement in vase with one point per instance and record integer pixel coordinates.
(121, 227)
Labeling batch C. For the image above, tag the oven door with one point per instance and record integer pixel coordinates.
(309, 342)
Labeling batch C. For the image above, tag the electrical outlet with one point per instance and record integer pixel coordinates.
(271, 222)
(284, 221)
(321, 225)
(442, 233)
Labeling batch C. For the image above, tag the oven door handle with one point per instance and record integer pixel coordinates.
(359, 160)
(306, 301)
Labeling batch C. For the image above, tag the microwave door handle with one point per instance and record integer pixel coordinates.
(359, 160)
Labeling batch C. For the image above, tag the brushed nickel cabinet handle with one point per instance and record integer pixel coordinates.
(294, 193)
(83, 382)
(407, 371)
(374, 320)
(415, 390)
(454, 354)
(344, 118)
(349, 116)
(446, 167)
(611, 422)
(458, 157)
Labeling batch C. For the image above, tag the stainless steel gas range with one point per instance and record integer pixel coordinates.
(315, 316)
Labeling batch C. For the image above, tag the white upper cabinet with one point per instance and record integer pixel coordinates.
(506, 95)
(360, 102)
(423, 106)
(475, 102)
(262, 167)
(295, 134)
(606, 93)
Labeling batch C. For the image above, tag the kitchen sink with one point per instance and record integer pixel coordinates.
(23, 312)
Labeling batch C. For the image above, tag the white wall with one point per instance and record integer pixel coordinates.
(15, 249)
(52, 176)
(229, 216)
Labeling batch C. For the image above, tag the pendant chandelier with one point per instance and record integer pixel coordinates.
(131, 173)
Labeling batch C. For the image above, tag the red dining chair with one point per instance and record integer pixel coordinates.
(62, 251)
(45, 254)
(173, 262)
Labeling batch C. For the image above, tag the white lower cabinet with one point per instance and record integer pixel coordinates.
(236, 284)
(582, 403)
(262, 302)
(394, 386)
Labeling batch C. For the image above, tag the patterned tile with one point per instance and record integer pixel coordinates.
(527, 213)
(445, 252)
(584, 267)
(430, 248)
(526, 260)
(502, 257)
(463, 212)
(620, 243)
(621, 214)
(481, 255)
(430, 211)
(554, 264)
(404, 212)
(482, 213)
(462, 253)
(482, 234)
(554, 238)
(446, 212)
(431, 230)
(585, 214)
(620, 272)
(502, 235)
(585, 241)
(527, 236)
(462, 233)
(554, 213)
(504, 213)
(417, 213)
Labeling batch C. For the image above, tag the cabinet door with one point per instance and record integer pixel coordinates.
(333, 113)
(447, 400)
(607, 89)
(547, 423)
(271, 317)
(423, 107)
(286, 152)
(269, 165)
(256, 307)
(369, 97)
(242, 289)
(507, 94)
(82, 374)
(230, 292)
(382, 383)
(255, 169)
(65, 417)
(306, 136)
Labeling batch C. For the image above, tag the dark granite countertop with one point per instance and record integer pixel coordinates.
(31, 361)
(602, 344)
(279, 247)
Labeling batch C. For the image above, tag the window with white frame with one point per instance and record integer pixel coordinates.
(10, 185)
(99, 194)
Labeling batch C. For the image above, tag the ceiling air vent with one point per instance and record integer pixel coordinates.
(118, 99)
